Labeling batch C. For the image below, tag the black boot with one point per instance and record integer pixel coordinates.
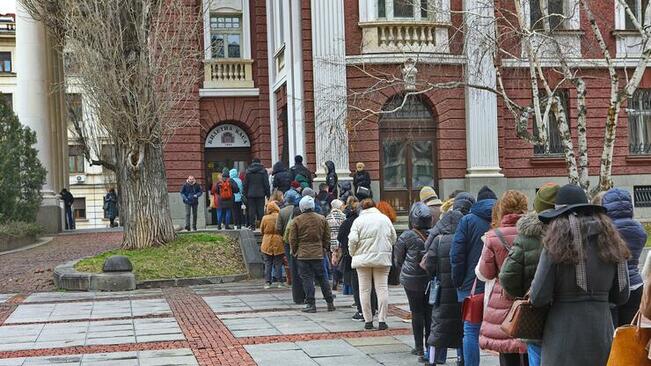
(383, 326)
(368, 325)
(331, 306)
(309, 308)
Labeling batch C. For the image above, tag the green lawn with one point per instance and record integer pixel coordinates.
(190, 255)
(647, 227)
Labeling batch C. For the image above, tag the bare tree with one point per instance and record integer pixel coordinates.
(534, 50)
(136, 62)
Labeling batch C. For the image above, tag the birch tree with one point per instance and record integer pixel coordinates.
(136, 62)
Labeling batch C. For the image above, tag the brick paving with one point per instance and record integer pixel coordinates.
(227, 324)
(31, 270)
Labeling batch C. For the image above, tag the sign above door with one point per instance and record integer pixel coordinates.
(227, 135)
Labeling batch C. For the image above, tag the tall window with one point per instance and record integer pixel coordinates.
(404, 8)
(5, 62)
(225, 35)
(75, 159)
(553, 132)
(639, 122)
(79, 208)
(638, 7)
(556, 9)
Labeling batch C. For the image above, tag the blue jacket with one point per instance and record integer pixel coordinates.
(190, 193)
(233, 174)
(467, 246)
(619, 205)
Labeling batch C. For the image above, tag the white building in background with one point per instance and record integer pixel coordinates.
(88, 183)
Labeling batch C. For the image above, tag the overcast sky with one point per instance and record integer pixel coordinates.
(7, 6)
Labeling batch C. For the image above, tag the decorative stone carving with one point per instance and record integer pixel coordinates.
(409, 72)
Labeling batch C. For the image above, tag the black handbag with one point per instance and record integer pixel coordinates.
(363, 192)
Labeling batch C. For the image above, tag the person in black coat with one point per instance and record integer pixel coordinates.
(68, 200)
(447, 327)
(300, 169)
(361, 178)
(256, 189)
(282, 178)
(407, 255)
(345, 191)
(331, 178)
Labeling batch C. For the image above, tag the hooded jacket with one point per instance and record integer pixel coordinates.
(491, 335)
(520, 266)
(256, 184)
(410, 247)
(282, 179)
(447, 326)
(371, 239)
(331, 178)
(619, 206)
(467, 246)
(345, 191)
(240, 186)
(300, 169)
(272, 240)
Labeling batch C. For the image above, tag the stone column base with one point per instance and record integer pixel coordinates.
(50, 215)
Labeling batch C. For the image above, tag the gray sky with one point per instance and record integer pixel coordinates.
(7, 6)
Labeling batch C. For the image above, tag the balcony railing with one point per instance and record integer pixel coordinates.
(405, 36)
(228, 73)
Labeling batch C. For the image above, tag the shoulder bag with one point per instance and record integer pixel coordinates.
(630, 344)
(472, 309)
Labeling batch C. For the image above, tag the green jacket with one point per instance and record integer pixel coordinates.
(520, 266)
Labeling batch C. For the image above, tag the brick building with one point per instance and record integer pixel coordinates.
(309, 77)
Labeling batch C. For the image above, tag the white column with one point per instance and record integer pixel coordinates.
(329, 65)
(295, 90)
(481, 106)
(32, 90)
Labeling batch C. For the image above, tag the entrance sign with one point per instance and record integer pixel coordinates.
(227, 135)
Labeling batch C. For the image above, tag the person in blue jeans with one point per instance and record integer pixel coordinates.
(465, 251)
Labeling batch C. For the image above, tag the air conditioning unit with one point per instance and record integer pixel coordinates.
(80, 179)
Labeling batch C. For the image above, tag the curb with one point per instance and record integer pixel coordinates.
(195, 281)
(32, 244)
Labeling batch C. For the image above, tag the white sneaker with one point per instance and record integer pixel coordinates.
(267, 286)
(281, 285)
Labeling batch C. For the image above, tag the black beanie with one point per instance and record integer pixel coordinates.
(486, 193)
(298, 159)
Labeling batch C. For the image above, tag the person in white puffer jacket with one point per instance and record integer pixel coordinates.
(370, 243)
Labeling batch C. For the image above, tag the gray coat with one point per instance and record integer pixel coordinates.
(579, 328)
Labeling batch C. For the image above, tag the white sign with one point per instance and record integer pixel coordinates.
(227, 136)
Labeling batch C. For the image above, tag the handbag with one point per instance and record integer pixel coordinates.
(434, 292)
(472, 309)
(363, 192)
(525, 321)
(629, 345)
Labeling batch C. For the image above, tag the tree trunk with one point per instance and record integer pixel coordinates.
(144, 210)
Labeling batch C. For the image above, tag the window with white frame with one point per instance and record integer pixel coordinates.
(404, 9)
(225, 35)
(557, 14)
(639, 122)
(553, 132)
(638, 8)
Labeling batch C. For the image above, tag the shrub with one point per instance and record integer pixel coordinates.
(18, 229)
(22, 173)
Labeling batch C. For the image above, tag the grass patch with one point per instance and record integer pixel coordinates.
(19, 229)
(190, 255)
(647, 227)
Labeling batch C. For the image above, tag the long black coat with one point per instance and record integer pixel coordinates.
(331, 178)
(256, 183)
(282, 178)
(342, 238)
(447, 326)
(361, 179)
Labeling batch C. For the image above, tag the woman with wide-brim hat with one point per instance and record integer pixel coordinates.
(581, 271)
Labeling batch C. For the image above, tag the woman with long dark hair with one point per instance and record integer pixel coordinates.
(582, 270)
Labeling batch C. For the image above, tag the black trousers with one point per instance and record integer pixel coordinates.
(624, 314)
(298, 294)
(255, 209)
(237, 214)
(354, 283)
(312, 271)
(514, 359)
(421, 316)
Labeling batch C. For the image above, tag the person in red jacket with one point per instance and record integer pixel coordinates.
(497, 244)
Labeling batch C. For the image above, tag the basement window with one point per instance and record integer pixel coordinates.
(642, 196)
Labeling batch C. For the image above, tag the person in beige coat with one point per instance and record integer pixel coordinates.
(370, 244)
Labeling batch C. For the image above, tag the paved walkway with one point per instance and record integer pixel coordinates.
(230, 324)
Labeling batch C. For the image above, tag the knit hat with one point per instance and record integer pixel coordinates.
(545, 197)
(295, 184)
(337, 204)
(308, 192)
(463, 202)
(486, 193)
(429, 197)
(292, 197)
(306, 204)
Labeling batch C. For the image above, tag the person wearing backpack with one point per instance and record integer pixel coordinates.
(287, 213)
(226, 191)
(324, 199)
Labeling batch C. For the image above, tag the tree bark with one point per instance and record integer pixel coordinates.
(144, 203)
